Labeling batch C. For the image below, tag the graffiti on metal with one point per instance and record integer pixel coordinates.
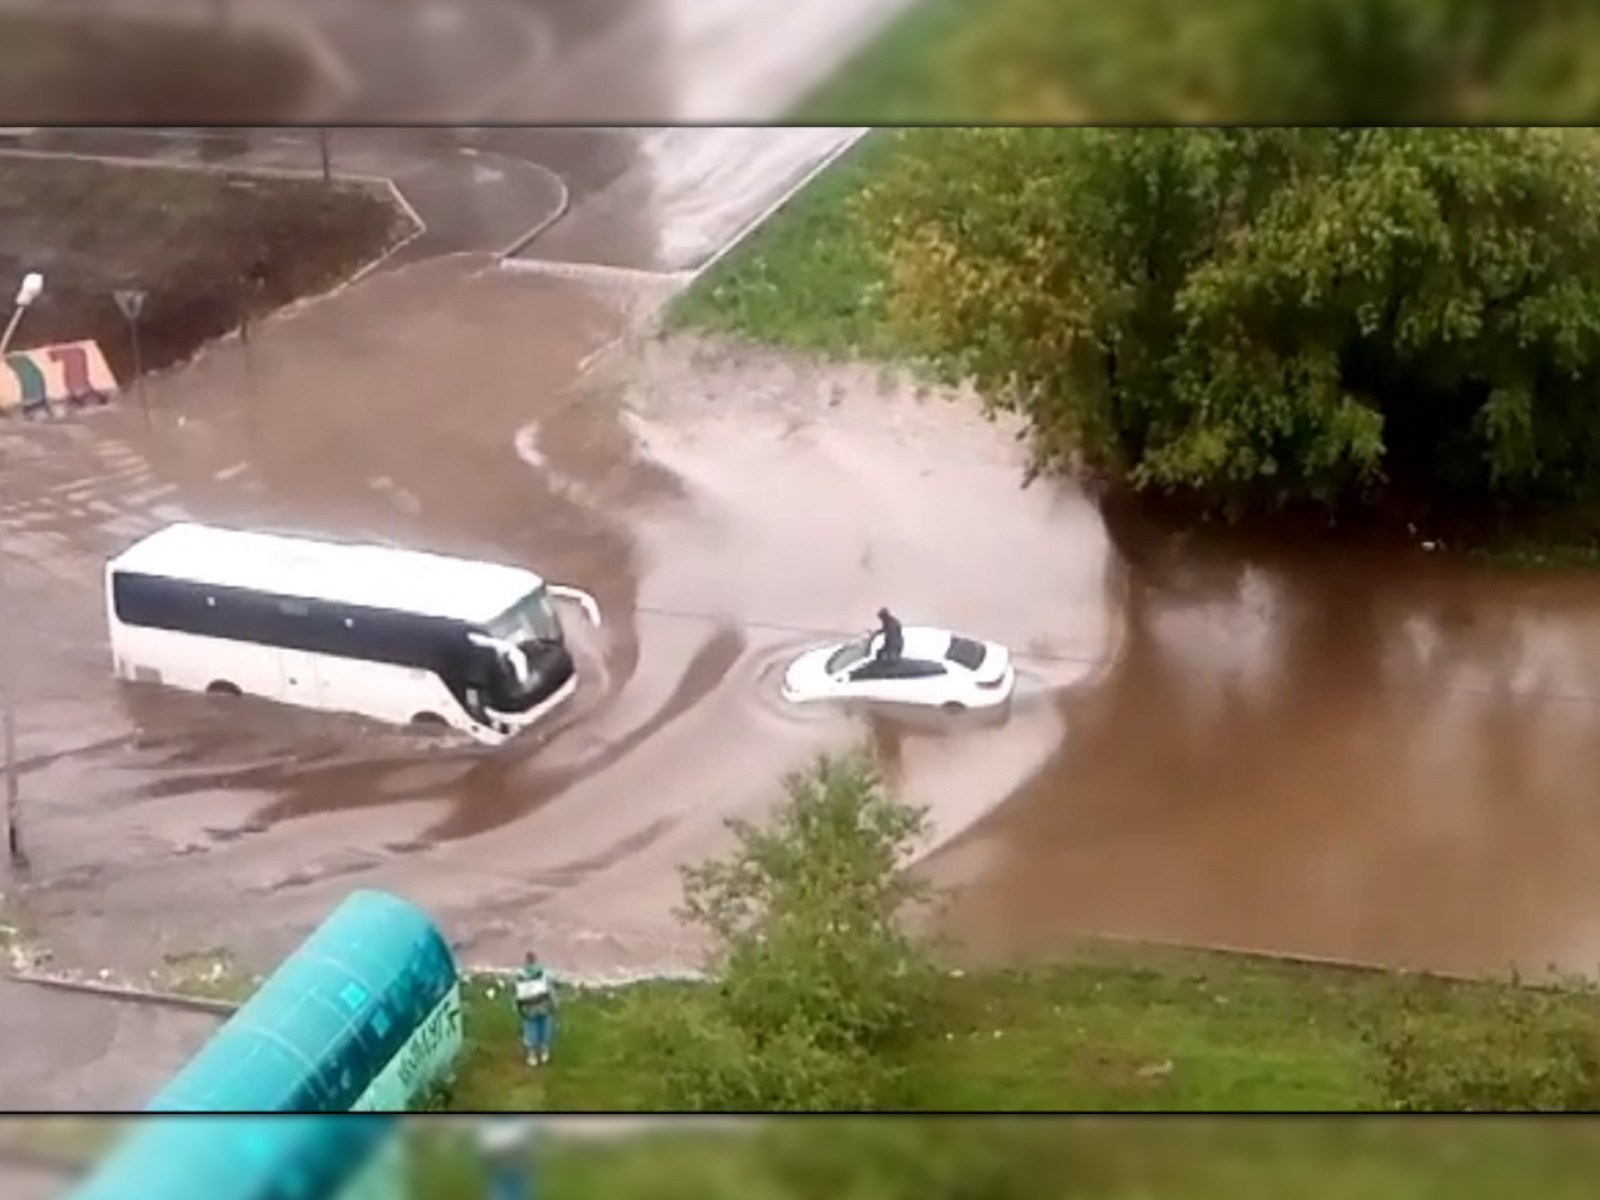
(71, 373)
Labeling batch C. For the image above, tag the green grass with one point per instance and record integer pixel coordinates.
(807, 281)
(901, 78)
(888, 1158)
(1116, 1029)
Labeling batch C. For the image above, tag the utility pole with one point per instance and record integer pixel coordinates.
(32, 285)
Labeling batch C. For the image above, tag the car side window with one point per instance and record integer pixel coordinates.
(897, 668)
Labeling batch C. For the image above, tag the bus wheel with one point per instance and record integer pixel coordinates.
(429, 721)
(221, 687)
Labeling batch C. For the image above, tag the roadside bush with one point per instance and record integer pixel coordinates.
(1508, 1049)
(1256, 318)
(817, 984)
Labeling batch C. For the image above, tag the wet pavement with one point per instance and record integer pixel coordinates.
(1366, 753)
(31, 1183)
(587, 62)
(661, 201)
(100, 1055)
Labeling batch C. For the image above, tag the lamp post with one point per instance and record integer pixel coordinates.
(32, 286)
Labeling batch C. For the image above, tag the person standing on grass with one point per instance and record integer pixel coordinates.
(508, 1156)
(535, 996)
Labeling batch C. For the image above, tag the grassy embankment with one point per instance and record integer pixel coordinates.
(1119, 1028)
(927, 1159)
(212, 249)
(884, 1158)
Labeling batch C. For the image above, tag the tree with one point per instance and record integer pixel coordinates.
(816, 983)
(1337, 61)
(1263, 317)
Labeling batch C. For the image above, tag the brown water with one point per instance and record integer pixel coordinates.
(1373, 754)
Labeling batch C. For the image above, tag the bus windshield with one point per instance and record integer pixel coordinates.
(531, 619)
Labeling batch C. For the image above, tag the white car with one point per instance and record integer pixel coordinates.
(936, 669)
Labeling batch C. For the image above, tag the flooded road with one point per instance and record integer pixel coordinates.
(1376, 755)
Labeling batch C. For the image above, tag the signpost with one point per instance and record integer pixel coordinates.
(131, 302)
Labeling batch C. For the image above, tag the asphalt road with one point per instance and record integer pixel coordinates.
(18, 1182)
(99, 1054)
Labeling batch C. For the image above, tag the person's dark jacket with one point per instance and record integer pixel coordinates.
(894, 638)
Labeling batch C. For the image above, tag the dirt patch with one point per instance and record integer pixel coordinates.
(211, 249)
(73, 69)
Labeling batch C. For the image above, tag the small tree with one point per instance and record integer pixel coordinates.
(817, 983)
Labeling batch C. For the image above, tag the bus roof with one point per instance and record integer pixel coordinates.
(368, 576)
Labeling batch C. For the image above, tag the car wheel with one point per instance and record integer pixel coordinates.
(221, 687)
(429, 720)
(953, 706)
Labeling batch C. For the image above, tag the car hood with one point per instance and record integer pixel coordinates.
(810, 670)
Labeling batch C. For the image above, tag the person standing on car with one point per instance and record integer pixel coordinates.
(535, 997)
(894, 638)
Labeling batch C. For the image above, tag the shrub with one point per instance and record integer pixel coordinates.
(817, 984)
(1512, 1049)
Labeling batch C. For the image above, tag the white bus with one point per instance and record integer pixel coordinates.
(396, 635)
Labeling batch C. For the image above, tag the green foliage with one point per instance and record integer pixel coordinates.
(817, 984)
(1268, 316)
(1505, 1049)
(1287, 61)
(1051, 1158)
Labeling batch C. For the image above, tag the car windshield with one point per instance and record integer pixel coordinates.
(849, 656)
(531, 619)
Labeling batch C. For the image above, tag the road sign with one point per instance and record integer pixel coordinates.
(131, 301)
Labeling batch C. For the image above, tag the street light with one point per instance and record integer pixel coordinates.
(32, 286)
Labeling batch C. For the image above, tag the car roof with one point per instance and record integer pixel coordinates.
(924, 641)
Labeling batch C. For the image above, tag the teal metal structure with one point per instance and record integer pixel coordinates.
(366, 1014)
(251, 1158)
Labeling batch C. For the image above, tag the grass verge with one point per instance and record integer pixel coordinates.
(212, 249)
(1116, 1029)
(902, 76)
(806, 280)
(83, 70)
(887, 1158)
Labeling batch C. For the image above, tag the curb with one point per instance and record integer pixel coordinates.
(376, 182)
(756, 222)
(563, 207)
(125, 993)
(152, 164)
(687, 277)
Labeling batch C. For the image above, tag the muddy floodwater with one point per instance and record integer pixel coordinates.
(1367, 753)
